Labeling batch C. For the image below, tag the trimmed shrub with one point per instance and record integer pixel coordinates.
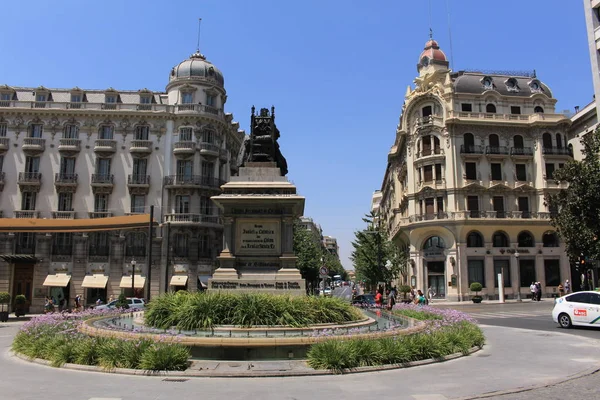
(4, 298)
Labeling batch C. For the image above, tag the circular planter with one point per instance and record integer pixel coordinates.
(477, 299)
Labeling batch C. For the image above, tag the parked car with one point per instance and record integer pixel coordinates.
(580, 308)
(364, 300)
(133, 302)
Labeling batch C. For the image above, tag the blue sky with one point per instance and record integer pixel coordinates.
(336, 70)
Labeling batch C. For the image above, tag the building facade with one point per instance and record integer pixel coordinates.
(464, 187)
(592, 21)
(86, 154)
(315, 230)
(331, 245)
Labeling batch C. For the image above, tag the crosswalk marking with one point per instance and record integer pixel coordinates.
(508, 314)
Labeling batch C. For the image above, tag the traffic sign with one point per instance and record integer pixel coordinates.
(324, 271)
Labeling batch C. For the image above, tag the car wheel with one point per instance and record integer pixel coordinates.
(564, 320)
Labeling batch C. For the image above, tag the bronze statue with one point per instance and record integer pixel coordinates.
(261, 145)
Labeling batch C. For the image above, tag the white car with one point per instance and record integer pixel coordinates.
(133, 302)
(580, 308)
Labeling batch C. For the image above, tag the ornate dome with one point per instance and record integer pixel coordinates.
(432, 51)
(197, 67)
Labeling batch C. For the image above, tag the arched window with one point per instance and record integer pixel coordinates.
(525, 240)
(494, 140)
(518, 141)
(469, 140)
(550, 239)
(135, 244)
(180, 245)
(490, 108)
(547, 141)
(559, 141)
(499, 239)
(435, 242)
(538, 110)
(426, 111)
(474, 239)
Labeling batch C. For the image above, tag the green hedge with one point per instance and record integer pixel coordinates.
(190, 311)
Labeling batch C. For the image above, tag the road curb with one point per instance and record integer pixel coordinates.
(248, 373)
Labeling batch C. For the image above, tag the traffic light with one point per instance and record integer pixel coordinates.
(581, 260)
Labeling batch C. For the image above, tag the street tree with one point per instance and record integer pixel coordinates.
(334, 265)
(309, 255)
(577, 208)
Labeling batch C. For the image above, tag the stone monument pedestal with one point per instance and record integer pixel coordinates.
(259, 208)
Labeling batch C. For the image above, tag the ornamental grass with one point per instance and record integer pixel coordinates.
(191, 311)
(446, 332)
(54, 337)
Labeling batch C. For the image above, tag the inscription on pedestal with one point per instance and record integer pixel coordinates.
(258, 237)
(232, 285)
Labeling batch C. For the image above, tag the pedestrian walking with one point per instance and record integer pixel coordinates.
(538, 291)
(567, 287)
(533, 289)
(430, 294)
(561, 290)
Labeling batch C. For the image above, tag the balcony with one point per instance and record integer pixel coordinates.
(512, 119)
(102, 183)
(63, 214)
(209, 149)
(431, 153)
(197, 109)
(521, 152)
(138, 184)
(140, 146)
(88, 106)
(4, 144)
(186, 218)
(192, 181)
(33, 145)
(434, 184)
(27, 214)
(428, 217)
(469, 150)
(69, 146)
(31, 180)
(65, 180)
(100, 214)
(428, 122)
(105, 146)
(558, 151)
(496, 151)
(187, 148)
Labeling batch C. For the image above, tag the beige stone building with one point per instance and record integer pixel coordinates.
(71, 154)
(464, 187)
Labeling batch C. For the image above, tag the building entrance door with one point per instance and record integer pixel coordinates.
(23, 283)
(436, 279)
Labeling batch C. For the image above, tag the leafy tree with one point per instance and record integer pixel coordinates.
(578, 219)
(375, 257)
(308, 253)
(334, 265)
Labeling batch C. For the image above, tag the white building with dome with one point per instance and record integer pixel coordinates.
(470, 165)
(72, 154)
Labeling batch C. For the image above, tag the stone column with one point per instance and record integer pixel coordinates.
(227, 236)
(490, 276)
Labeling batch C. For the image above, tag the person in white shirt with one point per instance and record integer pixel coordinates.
(430, 294)
(533, 290)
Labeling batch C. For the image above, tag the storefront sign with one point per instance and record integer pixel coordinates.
(257, 211)
(258, 237)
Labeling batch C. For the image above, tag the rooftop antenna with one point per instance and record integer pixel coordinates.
(450, 35)
(198, 43)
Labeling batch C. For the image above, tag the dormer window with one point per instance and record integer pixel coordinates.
(75, 98)
(187, 98)
(535, 86)
(5, 96)
(145, 99)
(488, 83)
(110, 99)
(511, 85)
(40, 97)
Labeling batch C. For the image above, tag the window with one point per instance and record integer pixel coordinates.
(5, 96)
(103, 167)
(466, 107)
(473, 206)
(502, 266)
(428, 173)
(208, 137)
(523, 203)
(426, 111)
(498, 205)
(145, 100)
(561, 165)
(142, 132)
(205, 205)
(98, 244)
(475, 271)
(65, 201)
(106, 132)
(101, 202)
(438, 172)
(139, 169)
(110, 98)
(496, 171)
(558, 141)
(203, 246)
(208, 169)
(138, 202)
(40, 97)
(474, 239)
(3, 129)
(494, 140)
(499, 239)
(32, 165)
(67, 167)
(435, 242)
(36, 130)
(552, 272)
(75, 98)
(580, 298)
(184, 169)
(527, 268)
(511, 85)
(135, 244)
(180, 245)
(549, 171)
(28, 201)
(538, 110)
(490, 108)
(550, 239)
(210, 100)
(71, 131)
(487, 83)
(62, 244)
(187, 98)
(25, 243)
(525, 240)
(515, 109)
(521, 172)
(471, 170)
(182, 204)
(185, 134)
(518, 141)
(440, 204)
(547, 141)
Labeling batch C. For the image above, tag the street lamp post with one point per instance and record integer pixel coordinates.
(518, 276)
(133, 262)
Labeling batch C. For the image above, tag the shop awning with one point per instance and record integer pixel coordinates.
(73, 225)
(139, 282)
(178, 280)
(58, 280)
(19, 258)
(96, 281)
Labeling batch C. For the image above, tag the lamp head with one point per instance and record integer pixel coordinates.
(517, 254)
(133, 262)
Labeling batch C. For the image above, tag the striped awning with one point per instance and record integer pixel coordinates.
(96, 281)
(178, 280)
(139, 282)
(19, 258)
(58, 280)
